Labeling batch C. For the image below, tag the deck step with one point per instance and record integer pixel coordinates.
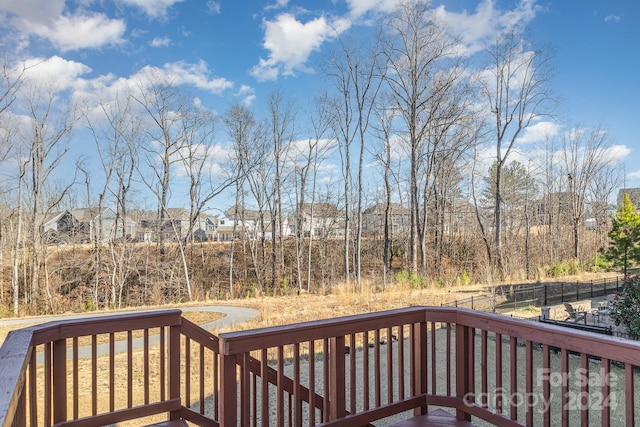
(170, 423)
(435, 418)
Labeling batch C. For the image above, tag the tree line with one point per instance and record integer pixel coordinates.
(405, 118)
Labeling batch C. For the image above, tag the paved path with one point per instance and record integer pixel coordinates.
(232, 316)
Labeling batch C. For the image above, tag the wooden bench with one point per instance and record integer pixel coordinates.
(435, 418)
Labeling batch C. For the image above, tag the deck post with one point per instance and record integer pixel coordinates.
(228, 389)
(337, 394)
(464, 367)
(59, 381)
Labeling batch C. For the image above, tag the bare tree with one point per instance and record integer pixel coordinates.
(116, 130)
(11, 79)
(584, 157)
(281, 122)
(515, 88)
(241, 127)
(46, 140)
(307, 158)
(164, 105)
(205, 182)
(385, 116)
(357, 74)
(422, 63)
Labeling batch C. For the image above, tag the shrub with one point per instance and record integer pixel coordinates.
(464, 278)
(625, 309)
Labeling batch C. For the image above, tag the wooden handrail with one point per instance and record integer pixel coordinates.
(465, 339)
(15, 355)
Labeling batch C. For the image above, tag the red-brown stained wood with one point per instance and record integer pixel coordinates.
(513, 349)
(529, 382)
(605, 377)
(546, 384)
(236, 358)
(584, 389)
(145, 350)
(483, 366)
(564, 389)
(401, 366)
(170, 423)
(435, 418)
(498, 379)
(629, 398)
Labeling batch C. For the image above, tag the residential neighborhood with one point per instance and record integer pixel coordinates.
(318, 220)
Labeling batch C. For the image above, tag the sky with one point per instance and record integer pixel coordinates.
(239, 51)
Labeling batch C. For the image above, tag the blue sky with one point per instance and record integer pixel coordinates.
(231, 51)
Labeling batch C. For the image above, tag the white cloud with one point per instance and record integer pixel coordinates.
(153, 8)
(196, 75)
(247, 93)
(213, 7)
(360, 7)
(539, 132)
(477, 28)
(65, 30)
(634, 175)
(61, 72)
(81, 32)
(290, 42)
(612, 18)
(160, 42)
(107, 89)
(279, 4)
(615, 154)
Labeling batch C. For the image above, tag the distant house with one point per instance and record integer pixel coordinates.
(373, 219)
(93, 224)
(204, 228)
(177, 222)
(321, 220)
(633, 193)
(247, 224)
(58, 227)
(146, 229)
(175, 225)
(459, 217)
(555, 208)
(85, 225)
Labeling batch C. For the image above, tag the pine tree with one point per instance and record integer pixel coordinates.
(624, 250)
(625, 309)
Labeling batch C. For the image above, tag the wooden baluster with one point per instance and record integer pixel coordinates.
(337, 378)
(59, 381)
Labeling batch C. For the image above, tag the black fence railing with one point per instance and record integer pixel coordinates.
(504, 298)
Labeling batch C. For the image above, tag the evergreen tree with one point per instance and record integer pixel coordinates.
(625, 309)
(623, 250)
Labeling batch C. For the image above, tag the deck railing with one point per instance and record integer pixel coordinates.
(355, 370)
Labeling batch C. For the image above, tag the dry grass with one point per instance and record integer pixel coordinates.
(343, 301)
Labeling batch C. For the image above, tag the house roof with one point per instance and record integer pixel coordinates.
(379, 209)
(87, 214)
(240, 212)
(633, 193)
(326, 210)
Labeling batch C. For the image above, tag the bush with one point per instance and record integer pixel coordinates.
(602, 264)
(414, 281)
(625, 309)
(464, 278)
(564, 268)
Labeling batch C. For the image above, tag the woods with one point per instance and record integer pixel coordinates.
(417, 147)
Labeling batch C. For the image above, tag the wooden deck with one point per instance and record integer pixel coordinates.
(398, 366)
(435, 418)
